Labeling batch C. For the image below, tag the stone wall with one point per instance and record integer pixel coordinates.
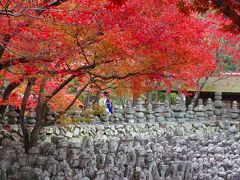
(76, 133)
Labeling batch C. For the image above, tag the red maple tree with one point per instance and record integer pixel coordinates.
(45, 46)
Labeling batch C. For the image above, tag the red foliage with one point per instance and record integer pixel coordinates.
(154, 39)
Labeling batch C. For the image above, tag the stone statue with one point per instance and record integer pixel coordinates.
(210, 110)
(139, 174)
(121, 156)
(234, 111)
(218, 105)
(51, 166)
(73, 154)
(129, 113)
(141, 153)
(224, 115)
(190, 114)
(158, 112)
(179, 110)
(150, 114)
(167, 112)
(139, 112)
(109, 162)
(200, 111)
(50, 116)
(31, 118)
(12, 115)
(116, 116)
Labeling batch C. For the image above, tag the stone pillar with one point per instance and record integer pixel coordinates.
(150, 114)
(91, 165)
(141, 157)
(168, 114)
(129, 113)
(50, 116)
(139, 174)
(62, 146)
(25, 172)
(73, 154)
(12, 115)
(190, 114)
(200, 111)
(234, 111)
(158, 112)
(139, 114)
(31, 118)
(65, 171)
(218, 105)
(101, 151)
(100, 175)
(224, 115)
(226, 124)
(33, 156)
(178, 110)
(232, 132)
(132, 157)
(22, 159)
(116, 116)
(127, 141)
(109, 161)
(121, 155)
(87, 143)
(51, 165)
(210, 110)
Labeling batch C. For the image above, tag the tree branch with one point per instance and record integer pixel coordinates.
(4, 43)
(78, 71)
(12, 62)
(227, 10)
(74, 100)
(7, 93)
(114, 76)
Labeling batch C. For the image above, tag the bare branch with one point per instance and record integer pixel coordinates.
(7, 93)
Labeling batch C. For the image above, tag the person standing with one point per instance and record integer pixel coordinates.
(106, 103)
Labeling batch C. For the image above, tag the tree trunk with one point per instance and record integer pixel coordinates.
(96, 98)
(180, 94)
(149, 97)
(135, 99)
(197, 93)
(34, 136)
(87, 100)
(31, 82)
